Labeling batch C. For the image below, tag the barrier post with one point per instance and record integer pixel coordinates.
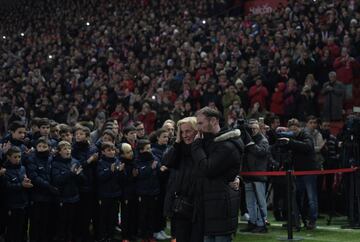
(290, 198)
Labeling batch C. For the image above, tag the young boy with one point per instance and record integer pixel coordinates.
(87, 156)
(129, 203)
(109, 174)
(130, 136)
(148, 190)
(42, 195)
(66, 133)
(44, 131)
(67, 175)
(15, 138)
(16, 200)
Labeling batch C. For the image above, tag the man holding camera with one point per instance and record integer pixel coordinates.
(301, 144)
(256, 157)
(219, 152)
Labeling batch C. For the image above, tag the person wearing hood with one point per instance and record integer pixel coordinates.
(43, 193)
(220, 152)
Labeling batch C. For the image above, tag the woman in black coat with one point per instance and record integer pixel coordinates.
(184, 195)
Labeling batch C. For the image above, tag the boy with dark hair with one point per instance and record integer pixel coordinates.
(39, 171)
(109, 174)
(66, 174)
(66, 133)
(15, 138)
(16, 199)
(129, 202)
(44, 131)
(148, 189)
(87, 156)
(130, 136)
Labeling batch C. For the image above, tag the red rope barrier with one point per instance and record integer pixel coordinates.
(298, 173)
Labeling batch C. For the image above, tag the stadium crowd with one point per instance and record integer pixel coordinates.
(106, 70)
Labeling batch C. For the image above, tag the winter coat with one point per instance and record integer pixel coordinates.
(256, 157)
(65, 180)
(129, 181)
(82, 151)
(220, 157)
(109, 184)
(303, 152)
(258, 94)
(39, 172)
(148, 178)
(277, 100)
(333, 103)
(16, 196)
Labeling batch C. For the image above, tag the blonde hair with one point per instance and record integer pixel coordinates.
(63, 144)
(187, 120)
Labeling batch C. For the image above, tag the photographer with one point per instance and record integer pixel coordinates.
(255, 159)
(301, 144)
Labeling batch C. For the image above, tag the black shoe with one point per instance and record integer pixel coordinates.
(296, 227)
(250, 227)
(260, 230)
(311, 226)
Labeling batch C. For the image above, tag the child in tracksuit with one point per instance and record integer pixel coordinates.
(16, 198)
(148, 190)
(87, 156)
(109, 174)
(129, 200)
(43, 193)
(67, 175)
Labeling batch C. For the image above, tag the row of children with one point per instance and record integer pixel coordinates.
(65, 193)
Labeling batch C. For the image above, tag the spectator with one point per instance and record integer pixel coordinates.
(219, 143)
(334, 93)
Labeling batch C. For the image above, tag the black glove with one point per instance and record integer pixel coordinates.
(246, 138)
(54, 190)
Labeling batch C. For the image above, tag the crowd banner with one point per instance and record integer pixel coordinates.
(262, 6)
(298, 173)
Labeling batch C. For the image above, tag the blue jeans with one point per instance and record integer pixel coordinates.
(223, 238)
(256, 202)
(307, 184)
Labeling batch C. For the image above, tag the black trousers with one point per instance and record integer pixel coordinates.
(3, 216)
(160, 224)
(15, 225)
(84, 215)
(148, 216)
(65, 222)
(188, 231)
(129, 217)
(39, 221)
(108, 216)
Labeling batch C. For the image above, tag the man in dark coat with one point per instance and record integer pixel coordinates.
(220, 152)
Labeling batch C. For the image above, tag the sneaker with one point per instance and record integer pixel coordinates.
(245, 217)
(260, 230)
(159, 236)
(162, 232)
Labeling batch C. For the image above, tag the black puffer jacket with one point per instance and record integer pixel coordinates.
(256, 157)
(220, 156)
(65, 180)
(109, 184)
(39, 171)
(16, 196)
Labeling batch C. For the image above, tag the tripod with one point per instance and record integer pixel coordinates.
(354, 196)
